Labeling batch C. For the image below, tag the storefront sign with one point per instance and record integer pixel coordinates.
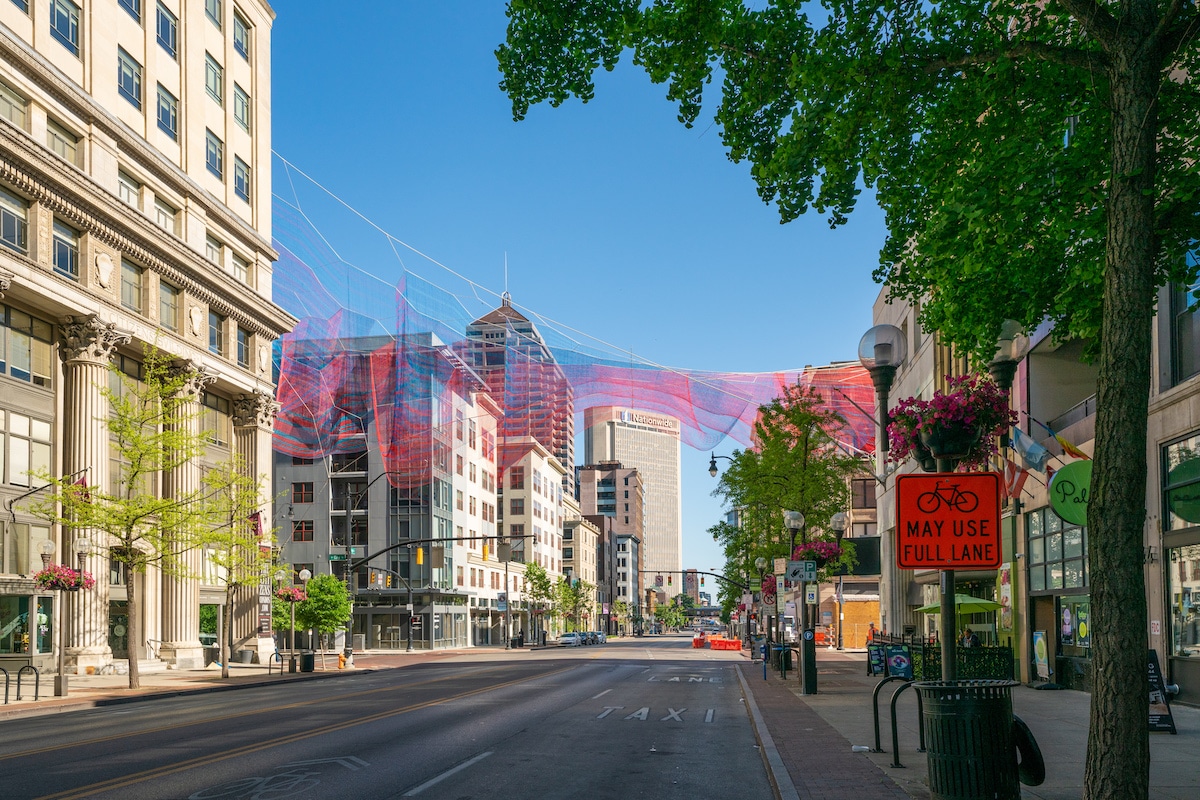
(948, 521)
(1041, 655)
(899, 661)
(1070, 489)
(876, 665)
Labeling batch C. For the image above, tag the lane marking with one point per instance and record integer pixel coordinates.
(606, 691)
(81, 792)
(709, 716)
(236, 715)
(608, 710)
(452, 771)
(642, 713)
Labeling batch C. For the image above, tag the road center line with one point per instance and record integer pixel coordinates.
(606, 691)
(453, 770)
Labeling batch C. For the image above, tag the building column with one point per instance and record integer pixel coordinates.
(253, 422)
(181, 592)
(87, 346)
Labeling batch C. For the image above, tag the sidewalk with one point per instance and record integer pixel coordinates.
(813, 736)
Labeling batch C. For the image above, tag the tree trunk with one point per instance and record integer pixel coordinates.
(1118, 758)
(227, 634)
(133, 629)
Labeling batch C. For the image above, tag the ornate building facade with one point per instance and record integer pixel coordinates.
(135, 210)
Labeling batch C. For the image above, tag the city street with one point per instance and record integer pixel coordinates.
(632, 718)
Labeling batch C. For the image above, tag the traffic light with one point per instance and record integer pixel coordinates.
(420, 556)
(387, 580)
(485, 551)
(701, 580)
(670, 578)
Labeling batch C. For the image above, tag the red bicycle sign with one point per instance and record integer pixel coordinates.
(948, 521)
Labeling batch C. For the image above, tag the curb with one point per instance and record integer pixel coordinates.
(776, 770)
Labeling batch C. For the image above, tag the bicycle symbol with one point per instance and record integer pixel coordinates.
(950, 495)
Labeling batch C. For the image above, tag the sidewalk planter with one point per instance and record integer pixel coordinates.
(969, 739)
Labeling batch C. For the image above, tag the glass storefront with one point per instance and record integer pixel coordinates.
(18, 632)
(1183, 594)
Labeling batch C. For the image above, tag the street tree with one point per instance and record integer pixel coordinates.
(539, 592)
(1034, 161)
(236, 548)
(672, 615)
(574, 601)
(151, 432)
(623, 612)
(326, 609)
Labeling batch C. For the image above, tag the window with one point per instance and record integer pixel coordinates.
(241, 269)
(168, 31)
(14, 219)
(25, 347)
(13, 107)
(300, 461)
(1185, 332)
(862, 491)
(302, 492)
(22, 4)
(134, 7)
(241, 107)
(516, 506)
(243, 348)
(168, 306)
(214, 79)
(1057, 552)
(131, 286)
(128, 190)
(165, 215)
(214, 156)
(216, 333)
(458, 499)
(302, 530)
(212, 9)
(214, 418)
(64, 24)
(66, 251)
(129, 78)
(214, 250)
(168, 113)
(241, 35)
(516, 478)
(241, 179)
(62, 141)
(28, 449)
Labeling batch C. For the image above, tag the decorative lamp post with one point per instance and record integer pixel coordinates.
(837, 523)
(760, 564)
(1010, 349)
(712, 463)
(794, 521)
(881, 351)
(305, 575)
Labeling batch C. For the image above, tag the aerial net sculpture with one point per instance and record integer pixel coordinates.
(382, 348)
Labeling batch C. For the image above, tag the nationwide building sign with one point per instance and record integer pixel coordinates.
(948, 521)
(652, 420)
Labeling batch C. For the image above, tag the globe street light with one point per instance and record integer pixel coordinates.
(881, 351)
(837, 523)
(794, 521)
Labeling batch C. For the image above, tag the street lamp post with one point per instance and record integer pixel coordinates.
(760, 564)
(838, 524)
(794, 521)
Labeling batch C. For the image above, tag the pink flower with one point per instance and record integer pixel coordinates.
(973, 405)
(290, 594)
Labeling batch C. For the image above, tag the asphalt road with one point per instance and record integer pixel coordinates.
(633, 718)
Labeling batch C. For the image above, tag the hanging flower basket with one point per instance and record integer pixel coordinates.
(962, 424)
(820, 551)
(59, 577)
(290, 594)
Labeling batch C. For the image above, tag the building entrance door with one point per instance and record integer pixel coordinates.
(118, 629)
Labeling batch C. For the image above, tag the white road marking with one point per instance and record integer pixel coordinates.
(434, 781)
(709, 716)
(642, 713)
(673, 714)
(606, 691)
(608, 710)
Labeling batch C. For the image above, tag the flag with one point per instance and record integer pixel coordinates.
(84, 494)
(1033, 455)
(1014, 478)
(1067, 447)
(256, 521)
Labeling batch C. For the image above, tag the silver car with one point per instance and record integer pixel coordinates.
(570, 640)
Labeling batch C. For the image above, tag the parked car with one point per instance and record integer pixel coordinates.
(571, 640)
(591, 637)
(601, 637)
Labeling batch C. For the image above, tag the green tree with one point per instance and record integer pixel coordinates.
(623, 611)
(539, 593)
(1034, 161)
(574, 600)
(326, 609)
(148, 425)
(672, 615)
(234, 546)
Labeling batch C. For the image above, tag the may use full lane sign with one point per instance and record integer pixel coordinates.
(948, 520)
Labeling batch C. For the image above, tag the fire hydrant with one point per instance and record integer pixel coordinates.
(341, 660)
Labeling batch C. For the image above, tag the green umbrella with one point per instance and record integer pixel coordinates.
(963, 604)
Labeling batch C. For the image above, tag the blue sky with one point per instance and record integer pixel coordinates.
(614, 218)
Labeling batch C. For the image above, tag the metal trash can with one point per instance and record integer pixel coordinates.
(969, 739)
(308, 661)
(245, 656)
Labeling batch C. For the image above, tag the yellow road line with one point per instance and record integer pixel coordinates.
(202, 761)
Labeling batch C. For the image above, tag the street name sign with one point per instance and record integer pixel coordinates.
(801, 571)
(948, 520)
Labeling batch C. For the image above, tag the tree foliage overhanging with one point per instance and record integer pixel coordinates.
(1035, 161)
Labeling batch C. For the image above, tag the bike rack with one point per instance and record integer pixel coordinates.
(895, 733)
(6, 682)
(37, 680)
(875, 707)
(272, 659)
(782, 663)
